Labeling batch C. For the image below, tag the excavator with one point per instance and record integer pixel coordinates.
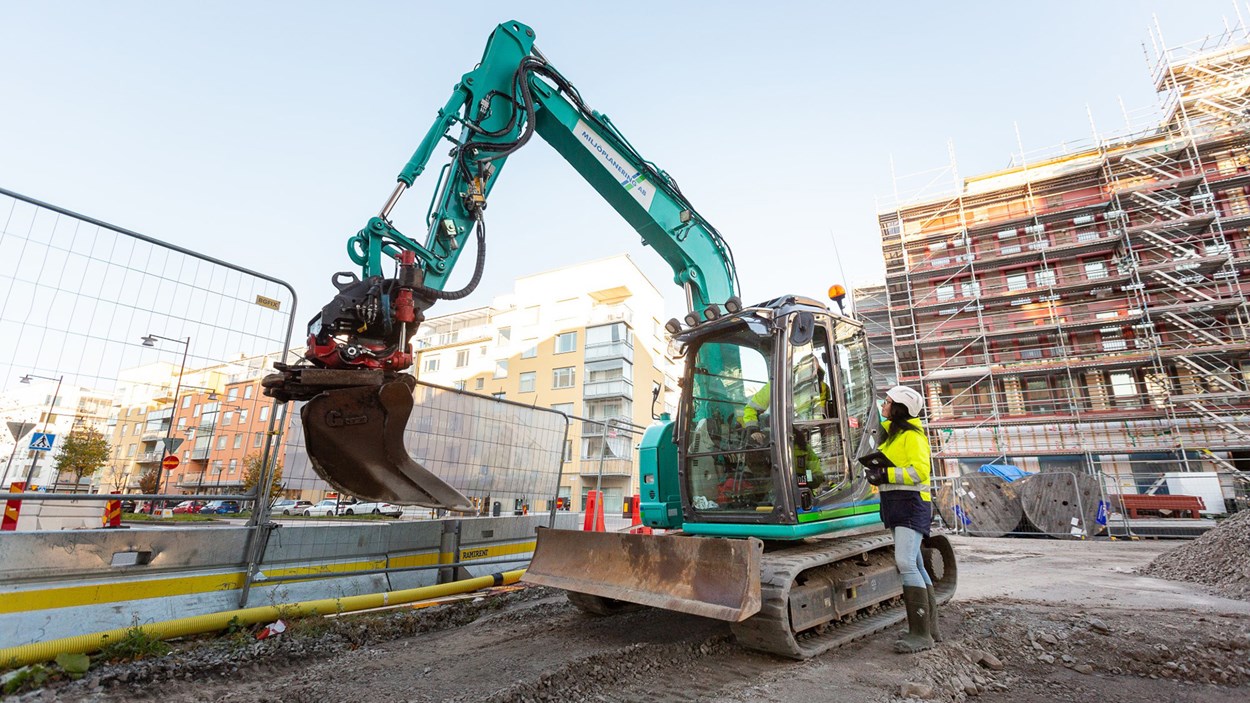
(761, 516)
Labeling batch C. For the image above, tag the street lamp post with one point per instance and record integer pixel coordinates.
(26, 379)
(150, 341)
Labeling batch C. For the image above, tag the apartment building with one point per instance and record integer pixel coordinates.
(220, 416)
(54, 409)
(586, 340)
(1087, 308)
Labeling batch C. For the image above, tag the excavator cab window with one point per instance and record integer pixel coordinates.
(816, 434)
(728, 448)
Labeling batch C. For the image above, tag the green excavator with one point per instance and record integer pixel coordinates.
(767, 520)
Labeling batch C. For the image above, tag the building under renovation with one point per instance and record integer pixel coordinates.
(1087, 309)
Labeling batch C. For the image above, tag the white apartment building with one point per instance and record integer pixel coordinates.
(587, 340)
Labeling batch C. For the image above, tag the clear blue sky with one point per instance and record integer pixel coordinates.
(266, 133)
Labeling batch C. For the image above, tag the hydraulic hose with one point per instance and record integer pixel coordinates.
(478, 268)
(82, 644)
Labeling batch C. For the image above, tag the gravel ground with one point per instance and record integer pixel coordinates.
(529, 644)
(1219, 558)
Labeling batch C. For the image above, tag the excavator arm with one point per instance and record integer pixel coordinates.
(359, 345)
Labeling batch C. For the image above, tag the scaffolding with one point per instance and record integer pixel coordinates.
(1086, 306)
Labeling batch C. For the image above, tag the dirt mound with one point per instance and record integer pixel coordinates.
(1219, 558)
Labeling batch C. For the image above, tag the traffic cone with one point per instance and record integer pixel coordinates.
(593, 521)
(113, 513)
(635, 525)
(12, 508)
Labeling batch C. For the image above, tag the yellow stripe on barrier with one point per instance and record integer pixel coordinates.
(104, 593)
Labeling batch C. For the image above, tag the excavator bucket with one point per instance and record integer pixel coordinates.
(355, 439)
(711, 577)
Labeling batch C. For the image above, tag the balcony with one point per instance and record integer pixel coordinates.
(612, 468)
(153, 436)
(610, 350)
(622, 426)
(618, 388)
(150, 457)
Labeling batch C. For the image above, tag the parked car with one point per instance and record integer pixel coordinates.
(188, 507)
(326, 507)
(128, 506)
(372, 509)
(288, 506)
(220, 507)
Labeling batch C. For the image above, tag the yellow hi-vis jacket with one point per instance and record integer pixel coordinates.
(909, 452)
(758, 404)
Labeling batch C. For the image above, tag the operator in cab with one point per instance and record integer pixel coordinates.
(907, 510)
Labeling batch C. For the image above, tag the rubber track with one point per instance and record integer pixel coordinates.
(769, 630)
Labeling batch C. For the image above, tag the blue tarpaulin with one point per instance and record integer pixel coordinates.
(1006, 472)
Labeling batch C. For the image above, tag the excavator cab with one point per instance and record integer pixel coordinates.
(776, 405)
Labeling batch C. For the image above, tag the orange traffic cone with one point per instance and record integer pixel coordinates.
(12, 508)
(593, 521)
(635, 525)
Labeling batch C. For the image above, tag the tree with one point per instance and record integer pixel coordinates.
(150, 481)
(252, 471)
(84, 452)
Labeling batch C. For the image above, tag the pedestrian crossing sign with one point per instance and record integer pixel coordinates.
(42, 441)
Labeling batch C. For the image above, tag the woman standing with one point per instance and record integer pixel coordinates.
(907, 509)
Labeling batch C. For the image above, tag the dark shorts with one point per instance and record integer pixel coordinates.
(906, 509)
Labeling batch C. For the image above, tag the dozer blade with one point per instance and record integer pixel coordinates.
(711, 577)
(355, 439)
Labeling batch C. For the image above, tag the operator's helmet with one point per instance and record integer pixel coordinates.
(908, 397)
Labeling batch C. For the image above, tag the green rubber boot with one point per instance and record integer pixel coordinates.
(933, 614)
(917, 639)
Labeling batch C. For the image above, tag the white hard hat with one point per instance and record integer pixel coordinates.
(909, 398)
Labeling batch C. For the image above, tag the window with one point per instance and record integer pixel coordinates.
(462, 358)
(505, 335)
(1044, 277)
(234, 464)
(1112, 339)
(501, 368)
(221, 442)
(196, 412)
(566, 408)
(568, 450)
(562, 377)
(458, 385)
(431, 363)
(182, 422)
(604, 334)
(479, 384)
(529, 316)
(527, 381)
(233, 394)
(228, 417)
(242, 417)
(264, 414)
(566, 342)
(256, 439)
(186, 402)
(247, 393)
(1124, 388)
(1017, 280)
(1095, 270)
(945, 293)
(238, 441)
(130, 451)
(123, 432)
(970, 289)
(481, 351)
(531, 349)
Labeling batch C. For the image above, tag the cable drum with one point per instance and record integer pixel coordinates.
(980, 505)
(1061, 504)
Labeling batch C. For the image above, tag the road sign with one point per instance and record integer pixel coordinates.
(19, 429)
(169, 463)
(172, 444)
(42, 441)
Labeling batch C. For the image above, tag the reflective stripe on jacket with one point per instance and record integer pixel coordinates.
(909, 452)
